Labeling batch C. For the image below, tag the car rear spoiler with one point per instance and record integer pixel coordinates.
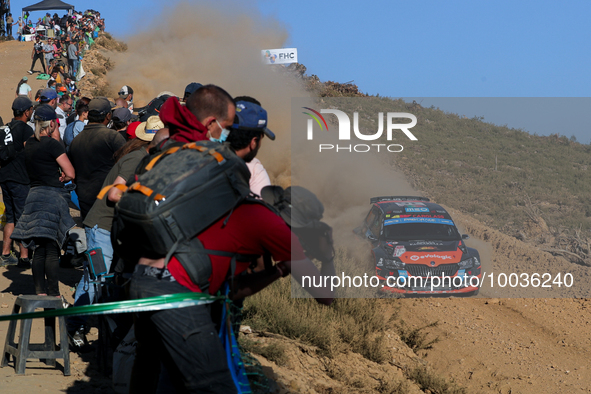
(373, 200)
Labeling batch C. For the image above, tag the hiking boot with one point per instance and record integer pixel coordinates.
(8, 259)
(24, 263)
(78, 342)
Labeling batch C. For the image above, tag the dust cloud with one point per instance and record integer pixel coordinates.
(207, 42)
(345, 183)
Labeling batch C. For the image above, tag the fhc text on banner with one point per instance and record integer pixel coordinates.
(280, 56)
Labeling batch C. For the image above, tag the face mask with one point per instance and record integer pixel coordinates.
(223, 136)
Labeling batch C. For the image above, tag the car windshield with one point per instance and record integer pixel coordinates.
(423, 231)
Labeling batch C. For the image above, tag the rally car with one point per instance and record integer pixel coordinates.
(417, 248)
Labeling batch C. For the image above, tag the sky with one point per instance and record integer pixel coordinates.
(426, 49)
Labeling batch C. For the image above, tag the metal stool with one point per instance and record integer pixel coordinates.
(46, 352)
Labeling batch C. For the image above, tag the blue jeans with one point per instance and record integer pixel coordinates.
(76, 64)
(85, 292)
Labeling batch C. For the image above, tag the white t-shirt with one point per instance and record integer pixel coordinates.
(258, 176)
(24, 90)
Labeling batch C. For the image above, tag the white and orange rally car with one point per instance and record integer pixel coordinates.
(417, 248)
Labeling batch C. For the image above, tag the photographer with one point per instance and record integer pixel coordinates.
(302, 211)
(37, 54)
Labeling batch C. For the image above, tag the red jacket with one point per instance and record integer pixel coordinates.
(183, 125)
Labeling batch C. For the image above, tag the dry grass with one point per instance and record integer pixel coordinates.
(426, 379)
(360, 383)
(416, 338)
(392, 386)
(106, 41)
(273, 352)
(103, 91)
(98, 71)
(348, 325)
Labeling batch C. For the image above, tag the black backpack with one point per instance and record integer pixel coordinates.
(153, 108)
(186, 189)
(7, 149)
(155, 154)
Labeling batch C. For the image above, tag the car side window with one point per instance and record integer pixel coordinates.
(370, 218)
(374, 227)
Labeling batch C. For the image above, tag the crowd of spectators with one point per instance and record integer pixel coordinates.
(77, 26)
(68, 147)
(58, 40)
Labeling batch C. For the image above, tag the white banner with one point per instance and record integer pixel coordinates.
(280, 56)
(80, 74)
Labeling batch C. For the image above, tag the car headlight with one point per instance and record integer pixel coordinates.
(469, 263)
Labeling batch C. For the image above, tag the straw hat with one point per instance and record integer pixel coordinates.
(147, 130)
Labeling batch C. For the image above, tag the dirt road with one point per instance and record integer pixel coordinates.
(15, 61)
(508, 345)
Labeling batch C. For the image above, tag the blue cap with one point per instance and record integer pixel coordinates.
(21, 103)
(45, 112)
(48, 95)
(122, 114)
(192, 87)
(251, 117)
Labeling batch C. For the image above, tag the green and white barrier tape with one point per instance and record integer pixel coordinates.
(159, 303)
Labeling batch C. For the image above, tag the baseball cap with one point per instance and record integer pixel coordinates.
(166, 93)
(100, 105)
(122, 114)
(21, 103)
(147, 130)
(46, 112)
(132, 128)
(192, 87)
(298, 206)
(48, 95)
(250, 116)
(125, 91)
